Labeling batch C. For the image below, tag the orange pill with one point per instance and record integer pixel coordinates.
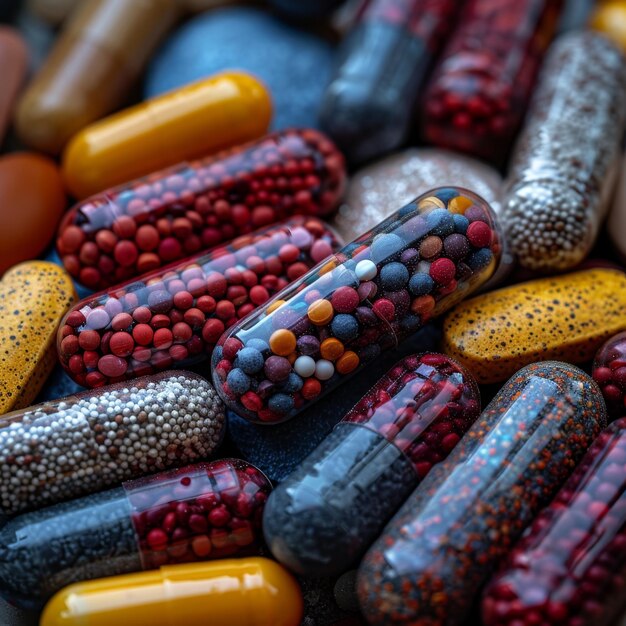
(282, 342)
(32, 200)
(14, 62)
(459, 204)
(347, 363)
(274, 305)
(331, 349)
(320, 312)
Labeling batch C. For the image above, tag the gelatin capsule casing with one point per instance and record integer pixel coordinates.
(560, 180)
(197, 205)
(14, 63)
(34, 296)
(564, 317)
(173, 317)
(83, 443)
(232, 592)
(91, 68)
(609, 371)
(434, 555)
(324, 515)
(201, 118)
(369, 104)
(479, 92)
(569, 566)
(378, 290)
(194, 513)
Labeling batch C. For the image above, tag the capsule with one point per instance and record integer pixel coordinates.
(616, 223)
(199, 512)
(34, 297)
(199, 205)
(91, 69)
(609, 371)
(52, 12)
(561, 179)
(83, 443)
(568, 568)
(479, 93)
(369, 105)
(14, 64)
(174, 316)
(377, 291)
(565, 317)
(432, 558)
(233, 592)
(187, 123)
(324, 515)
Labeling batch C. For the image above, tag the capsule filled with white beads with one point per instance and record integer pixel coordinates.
(564, 165)
(83, 443)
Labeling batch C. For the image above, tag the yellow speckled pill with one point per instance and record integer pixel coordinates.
(565, 318)
(34, 296)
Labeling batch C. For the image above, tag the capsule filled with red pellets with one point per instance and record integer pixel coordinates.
(197, 205)
(369, 105)
(378, 290)
(195, 513)
(324, 515)
(609, 371)
(174, 316)
(432, 558)
(569, 567)
(477, 97)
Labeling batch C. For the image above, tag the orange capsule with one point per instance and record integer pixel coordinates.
(14, 62)
(320, 312)
(188, 123)
(282, 342)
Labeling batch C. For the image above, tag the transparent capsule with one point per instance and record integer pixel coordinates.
(430, 561)
(568, 568)
(326, 513)
(67, 448)
(368, 297)
(198, 205)
(479, 92)
(173, 317)
(369, 104)
(203, 511)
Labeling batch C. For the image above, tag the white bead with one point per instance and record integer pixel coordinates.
(365, 270)
(304, 366)
(324, 369)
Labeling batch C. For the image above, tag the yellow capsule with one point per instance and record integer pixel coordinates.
(34, 296)
(233, 592)
(565, 318)
(610, 18)
(188, 123)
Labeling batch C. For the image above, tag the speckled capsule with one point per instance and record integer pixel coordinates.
(34, 296)
(564, 166)
(565, 317)
(434, 555)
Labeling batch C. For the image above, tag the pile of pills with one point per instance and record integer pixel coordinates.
(174, 317)
(175, 213)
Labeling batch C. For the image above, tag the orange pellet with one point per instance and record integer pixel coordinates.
(272, 307)
(320, 312)
(331, 349)
(348, 362)
(282, 342)
(423, 305)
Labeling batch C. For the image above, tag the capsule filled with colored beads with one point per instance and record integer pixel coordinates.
(174, 316)
(83, 443)
(609, 371)
(569, 567)
(326, 513)
(430, 561)
(378, 290)
(195, 513)
(199, 204)
(369, 104)
(561, 179)
(479, 93)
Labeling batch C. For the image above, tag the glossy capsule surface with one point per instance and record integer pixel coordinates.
(174, 316)
(379, 289)
(560, 180)
(190, 122)
(200, 204)
(241, 592)
(194, 513)
(432, 558)
(479, 93)
(609, 371)
(91, 68)
(569, 566)
(67, 448)
(369, 104)
(326, 513)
